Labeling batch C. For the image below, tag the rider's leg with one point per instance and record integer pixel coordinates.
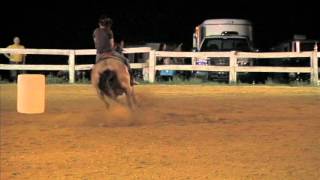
(126, 62)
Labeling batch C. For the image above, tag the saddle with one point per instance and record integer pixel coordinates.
(105, 56)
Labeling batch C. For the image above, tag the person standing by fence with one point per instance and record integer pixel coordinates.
(15, 58)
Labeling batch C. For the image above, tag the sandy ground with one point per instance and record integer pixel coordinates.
(179, 132)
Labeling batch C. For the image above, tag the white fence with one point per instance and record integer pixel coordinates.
(151, 67)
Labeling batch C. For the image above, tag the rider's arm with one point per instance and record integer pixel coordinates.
(23, 59)
(111, 39)
(94, 36)
(7, 55)
(112, 43)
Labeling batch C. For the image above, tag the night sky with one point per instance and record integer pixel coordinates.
(63, 24)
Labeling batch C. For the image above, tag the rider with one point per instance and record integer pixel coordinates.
(104, 43)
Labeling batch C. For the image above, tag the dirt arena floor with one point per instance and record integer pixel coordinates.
(179, 132)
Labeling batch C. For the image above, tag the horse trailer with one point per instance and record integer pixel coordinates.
(222, 35)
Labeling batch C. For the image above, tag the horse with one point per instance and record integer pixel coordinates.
(110, 77)
(185, 75)
(171, 47)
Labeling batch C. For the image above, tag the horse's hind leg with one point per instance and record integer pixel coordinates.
(103, 98)
(128, 90)
(101, 95)
(134, 97)
(129, 95)
(95, 79)
(110, 91)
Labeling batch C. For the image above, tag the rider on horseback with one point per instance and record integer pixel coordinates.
(104, 43)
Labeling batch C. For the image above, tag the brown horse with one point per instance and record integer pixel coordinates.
(110, 78)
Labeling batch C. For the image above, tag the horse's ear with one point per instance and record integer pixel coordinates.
(179, 47)
(163, 47)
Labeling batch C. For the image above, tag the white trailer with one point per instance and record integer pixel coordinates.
(222, 31)
(222, 35)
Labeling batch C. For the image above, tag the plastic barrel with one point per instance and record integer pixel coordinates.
(31, 93)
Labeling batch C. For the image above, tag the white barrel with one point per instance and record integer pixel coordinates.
(31, 93)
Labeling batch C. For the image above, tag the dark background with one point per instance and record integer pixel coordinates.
(66, 24)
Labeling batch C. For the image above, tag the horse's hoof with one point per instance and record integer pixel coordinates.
(102, 125)
(134, 83)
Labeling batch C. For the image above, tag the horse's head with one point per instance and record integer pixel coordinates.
(170, 47)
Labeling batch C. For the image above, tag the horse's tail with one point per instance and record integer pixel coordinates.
(105, 81)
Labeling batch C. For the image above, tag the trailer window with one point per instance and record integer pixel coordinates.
(219, 44)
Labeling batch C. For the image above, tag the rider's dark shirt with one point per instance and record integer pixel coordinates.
(102, 40)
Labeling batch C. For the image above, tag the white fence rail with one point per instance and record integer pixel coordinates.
(151, 67)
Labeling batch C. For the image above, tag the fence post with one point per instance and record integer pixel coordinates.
(314, 66)
(152, 64)
(233, 65)
(71, 63)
